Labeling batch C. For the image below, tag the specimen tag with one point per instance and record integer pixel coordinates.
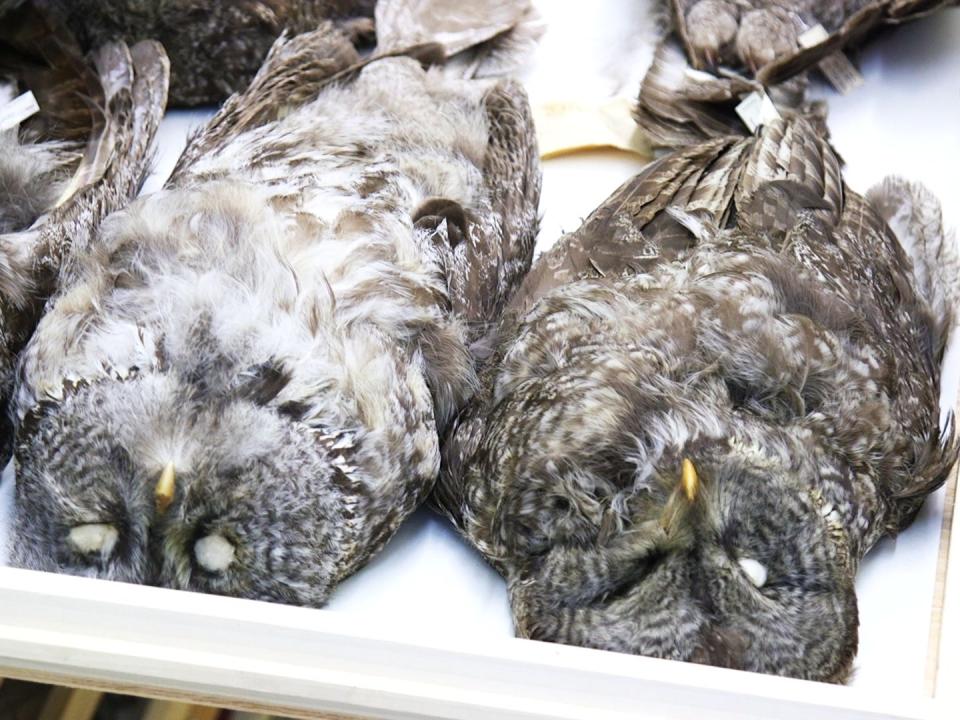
(565, 127)
(757, 109)
(18, 110)
(836, 67)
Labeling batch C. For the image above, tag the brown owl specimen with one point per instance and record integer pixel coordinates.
(726, 49)
(81, 156)
(706, 404)
(242, 387)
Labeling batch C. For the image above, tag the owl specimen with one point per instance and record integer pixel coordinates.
(726, 49)
(706, 404)
(241, 388)
(80, 155)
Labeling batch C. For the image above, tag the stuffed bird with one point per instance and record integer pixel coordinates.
(242, 387)
(706, 404)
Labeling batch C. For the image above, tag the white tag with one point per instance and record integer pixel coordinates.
(836, 67)
(814, 36)
(757, 109)
(18, 110)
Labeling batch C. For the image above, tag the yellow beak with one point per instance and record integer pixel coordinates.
(689, 480)
(166, 486)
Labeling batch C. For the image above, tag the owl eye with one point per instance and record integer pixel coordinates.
(754, 570)
(93, 537)
(214, 553)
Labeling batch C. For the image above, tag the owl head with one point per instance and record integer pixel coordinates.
(145, 480)
(719, 552)
(633, 502)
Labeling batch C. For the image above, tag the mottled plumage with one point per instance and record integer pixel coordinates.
(726, 49)
(242, 388)
(706, 404)
(63, 169)
(216, 47)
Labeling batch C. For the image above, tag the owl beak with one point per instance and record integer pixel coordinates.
(681, 498)
(166, 486)
(689, 480)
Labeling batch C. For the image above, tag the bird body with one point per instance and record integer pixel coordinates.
(247, 376)
(705, 405)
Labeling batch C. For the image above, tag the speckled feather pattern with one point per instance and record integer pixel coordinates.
(288, 323)
(215, 48)
(734, 305)
(721, 50)
(87, 150)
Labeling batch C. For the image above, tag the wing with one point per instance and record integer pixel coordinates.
(490, 251)
(630, 232)
(127, 107)
(293, 73)
(693, 87)
(679, 105)
(216, 48)
(498, 31)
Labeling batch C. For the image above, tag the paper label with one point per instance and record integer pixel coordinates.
(814, 36)
(757, 109)
(565, 127)
(18, 110)
(836, 67)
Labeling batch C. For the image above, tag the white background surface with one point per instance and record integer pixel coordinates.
(905, 120)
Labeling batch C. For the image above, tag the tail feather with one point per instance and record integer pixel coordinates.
(118, 154)
(295, 70)
(456, 26)
(915, 216)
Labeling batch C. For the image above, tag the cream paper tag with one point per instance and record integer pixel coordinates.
(565, 127)
(17, 110)
(836, 67)
(757, 109)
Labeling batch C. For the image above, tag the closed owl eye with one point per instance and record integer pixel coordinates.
(214, 553)
(93, 537)
(755, 571)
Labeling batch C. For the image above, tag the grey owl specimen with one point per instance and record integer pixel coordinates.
(242, 388)
(740, 45)
(82, 155)
(705, 406)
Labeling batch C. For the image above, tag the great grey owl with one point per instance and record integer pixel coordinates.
(726, 49)
(241, 388)
(82, 154)
(706, 404)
